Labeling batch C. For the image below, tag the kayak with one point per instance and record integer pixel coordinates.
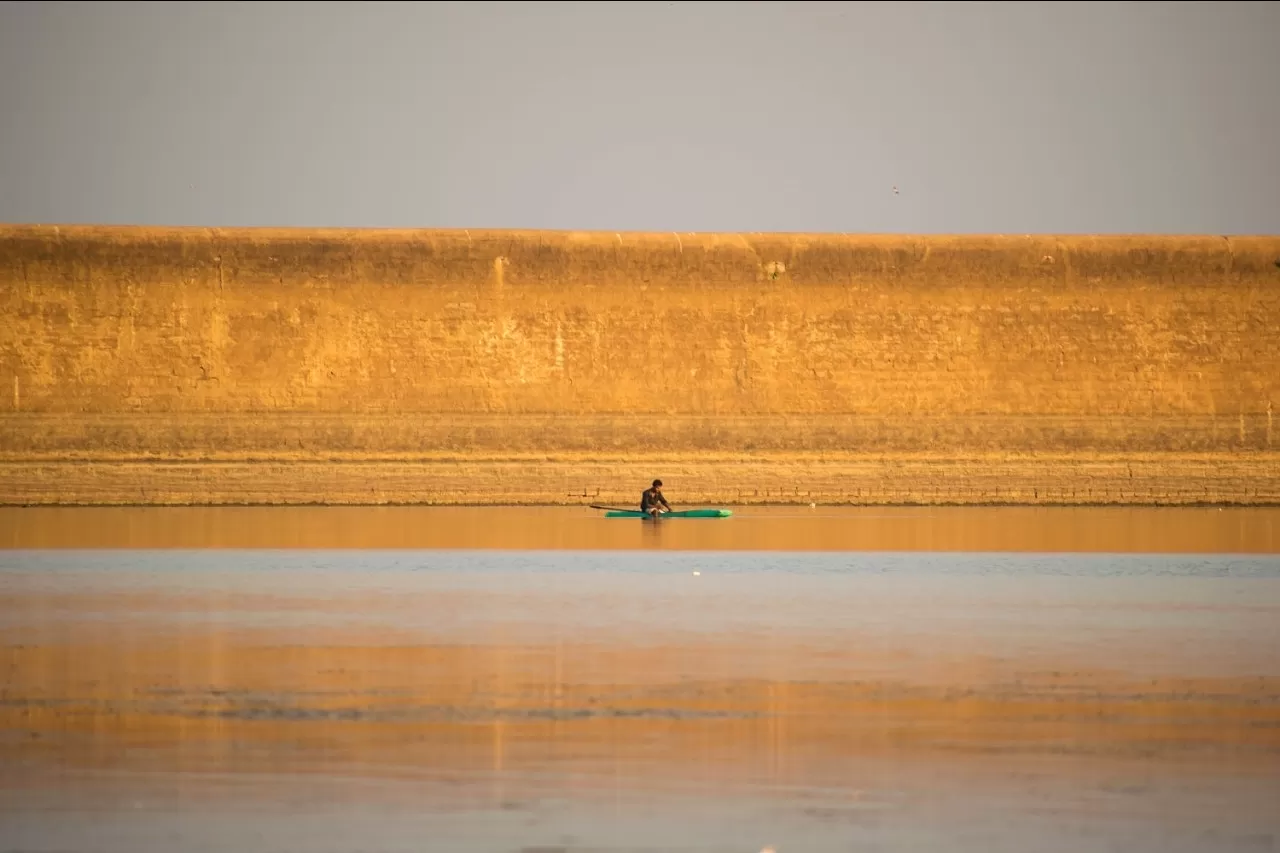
(680, 513)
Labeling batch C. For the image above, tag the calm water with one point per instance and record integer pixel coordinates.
(1037, 529)
(477, 680)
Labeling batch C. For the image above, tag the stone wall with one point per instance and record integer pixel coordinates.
(311, 366)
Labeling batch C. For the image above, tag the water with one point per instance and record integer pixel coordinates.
(1179, 530)
(198, 681)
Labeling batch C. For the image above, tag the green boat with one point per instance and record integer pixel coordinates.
(681, 513)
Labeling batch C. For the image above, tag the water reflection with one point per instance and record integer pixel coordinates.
(1059, 529)
(613, 700)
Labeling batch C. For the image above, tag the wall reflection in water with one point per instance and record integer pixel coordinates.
(613, 700)
(1072, 529)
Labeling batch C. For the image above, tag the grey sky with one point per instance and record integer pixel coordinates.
(987, 117)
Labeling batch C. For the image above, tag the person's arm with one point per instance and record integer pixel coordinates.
(663, 498)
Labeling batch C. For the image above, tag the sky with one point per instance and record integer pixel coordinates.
(797, 117)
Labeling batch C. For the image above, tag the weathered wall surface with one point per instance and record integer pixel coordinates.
(262, 365)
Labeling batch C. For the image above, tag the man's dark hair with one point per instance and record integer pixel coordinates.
(657, 483)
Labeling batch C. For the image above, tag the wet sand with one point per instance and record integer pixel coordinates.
(537, 700)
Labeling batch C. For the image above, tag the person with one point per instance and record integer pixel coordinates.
(652, 500)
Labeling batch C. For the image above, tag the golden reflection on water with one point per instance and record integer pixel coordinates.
(200, 701)
(1056, 529)
(723, 675)
(850, 705)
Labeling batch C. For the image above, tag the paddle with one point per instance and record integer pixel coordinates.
(620, 509)
(614, 508)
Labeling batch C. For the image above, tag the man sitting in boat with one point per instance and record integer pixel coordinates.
(652, 499)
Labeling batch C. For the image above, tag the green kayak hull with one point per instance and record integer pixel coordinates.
(683, 513)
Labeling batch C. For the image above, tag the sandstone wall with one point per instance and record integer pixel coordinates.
(262, 365)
